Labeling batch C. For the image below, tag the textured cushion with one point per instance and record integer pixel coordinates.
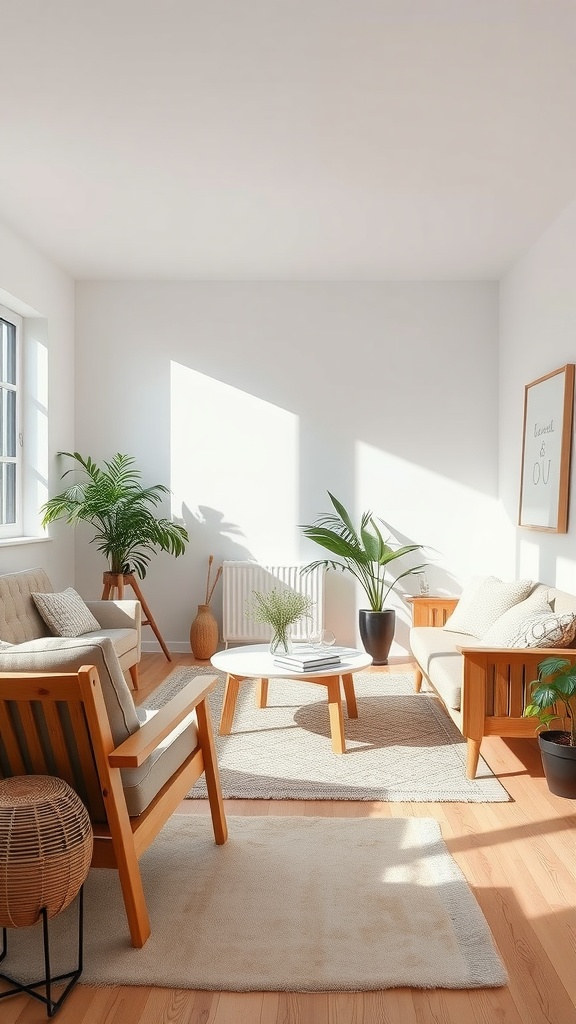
(476, 611)
(505, 629)
(65, 614)
(4, 645)
(546, 630)
(19, 618)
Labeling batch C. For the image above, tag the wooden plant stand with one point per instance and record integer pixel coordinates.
(116, 581)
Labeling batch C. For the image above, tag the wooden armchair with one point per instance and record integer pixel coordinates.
(57, 724)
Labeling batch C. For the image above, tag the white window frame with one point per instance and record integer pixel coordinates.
(8, 530)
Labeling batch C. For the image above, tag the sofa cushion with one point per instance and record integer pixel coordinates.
(142, 784)
(68, 654)
(65, 613)
(435, 651)
(550, 629)
(505, 629)
(480, 605)
(124, 640)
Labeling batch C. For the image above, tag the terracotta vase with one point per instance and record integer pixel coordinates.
(204, 634)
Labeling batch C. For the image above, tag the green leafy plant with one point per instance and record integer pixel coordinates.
(556, 685)
(112, 499)
(280, 609)
(364, 552)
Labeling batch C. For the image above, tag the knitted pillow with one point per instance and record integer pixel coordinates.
(546, 630)
(482, 603)
(503, 632)
(65, 614)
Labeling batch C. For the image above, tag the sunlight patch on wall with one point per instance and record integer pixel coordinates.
(234, 466)
(461, 528)
(528, 557)
(565, 573)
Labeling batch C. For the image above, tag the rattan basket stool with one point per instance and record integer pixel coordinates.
(45, 853)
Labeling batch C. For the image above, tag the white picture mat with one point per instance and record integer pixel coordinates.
(546, 451)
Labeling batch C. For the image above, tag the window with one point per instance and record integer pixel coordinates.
(10, 429)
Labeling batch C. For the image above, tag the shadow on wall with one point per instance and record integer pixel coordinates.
(211, 533)
(435, 580)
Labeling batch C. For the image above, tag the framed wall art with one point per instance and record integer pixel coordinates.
(546, 449)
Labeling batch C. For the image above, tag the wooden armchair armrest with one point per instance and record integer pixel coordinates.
(431, 611)
(518, 654)
(134, 751)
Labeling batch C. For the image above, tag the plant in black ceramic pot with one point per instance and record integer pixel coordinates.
(367, 556)
(555, 689)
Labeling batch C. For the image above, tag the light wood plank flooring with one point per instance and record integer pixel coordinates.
(520, 861)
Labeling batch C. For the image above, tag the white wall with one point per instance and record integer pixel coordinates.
(33, 286)
(252, 400)
(538, 332)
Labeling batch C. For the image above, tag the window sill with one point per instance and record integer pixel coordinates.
(6, 542)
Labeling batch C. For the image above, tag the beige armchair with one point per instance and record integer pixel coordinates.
(26, 642)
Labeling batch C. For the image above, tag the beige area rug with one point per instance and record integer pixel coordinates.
(403, 746)
(287, 904)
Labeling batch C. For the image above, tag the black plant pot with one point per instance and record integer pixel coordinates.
(377, 633)
(559, 762)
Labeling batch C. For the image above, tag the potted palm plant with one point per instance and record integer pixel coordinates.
(555, 688)
(367, 556)
(112, 499)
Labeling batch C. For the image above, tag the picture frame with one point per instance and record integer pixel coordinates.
(546, 451)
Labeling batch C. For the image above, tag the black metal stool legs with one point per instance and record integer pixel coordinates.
(48, 981)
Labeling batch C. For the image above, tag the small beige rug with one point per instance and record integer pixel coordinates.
(403, 746)
(287, 904)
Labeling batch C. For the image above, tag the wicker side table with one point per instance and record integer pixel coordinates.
(45, 853)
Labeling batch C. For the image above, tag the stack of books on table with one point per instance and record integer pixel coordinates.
(304, 658)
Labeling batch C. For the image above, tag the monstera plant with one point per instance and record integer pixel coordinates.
(111, 499)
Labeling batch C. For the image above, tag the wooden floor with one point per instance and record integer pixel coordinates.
(519, 859)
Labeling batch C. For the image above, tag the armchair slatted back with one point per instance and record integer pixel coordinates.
(45, 729)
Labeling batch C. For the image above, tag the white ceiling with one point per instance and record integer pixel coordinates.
(299, 139)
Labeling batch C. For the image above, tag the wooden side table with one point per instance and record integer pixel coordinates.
(45, 853)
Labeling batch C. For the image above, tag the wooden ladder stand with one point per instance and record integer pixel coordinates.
(116, 581)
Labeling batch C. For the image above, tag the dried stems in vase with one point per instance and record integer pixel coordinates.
(210, 589)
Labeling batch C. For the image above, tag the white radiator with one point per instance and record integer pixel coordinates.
(240, 579)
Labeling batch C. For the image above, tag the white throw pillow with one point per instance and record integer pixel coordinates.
(503, 632)
(546, 630)
(65, 614)
(4, 645)
(477, 611)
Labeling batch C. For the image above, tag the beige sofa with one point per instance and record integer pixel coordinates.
(484, 690)
(24, 629)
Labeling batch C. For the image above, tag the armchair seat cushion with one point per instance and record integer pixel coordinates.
(142, 784)
(124, 640)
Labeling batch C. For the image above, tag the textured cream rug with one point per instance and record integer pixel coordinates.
(403, 746)
(287, 904)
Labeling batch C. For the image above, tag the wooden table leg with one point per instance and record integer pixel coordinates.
(348, 684)
(229, 706)
(336, 716)
(261, 693)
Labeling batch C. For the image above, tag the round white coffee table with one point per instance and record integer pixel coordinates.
(255, 662)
